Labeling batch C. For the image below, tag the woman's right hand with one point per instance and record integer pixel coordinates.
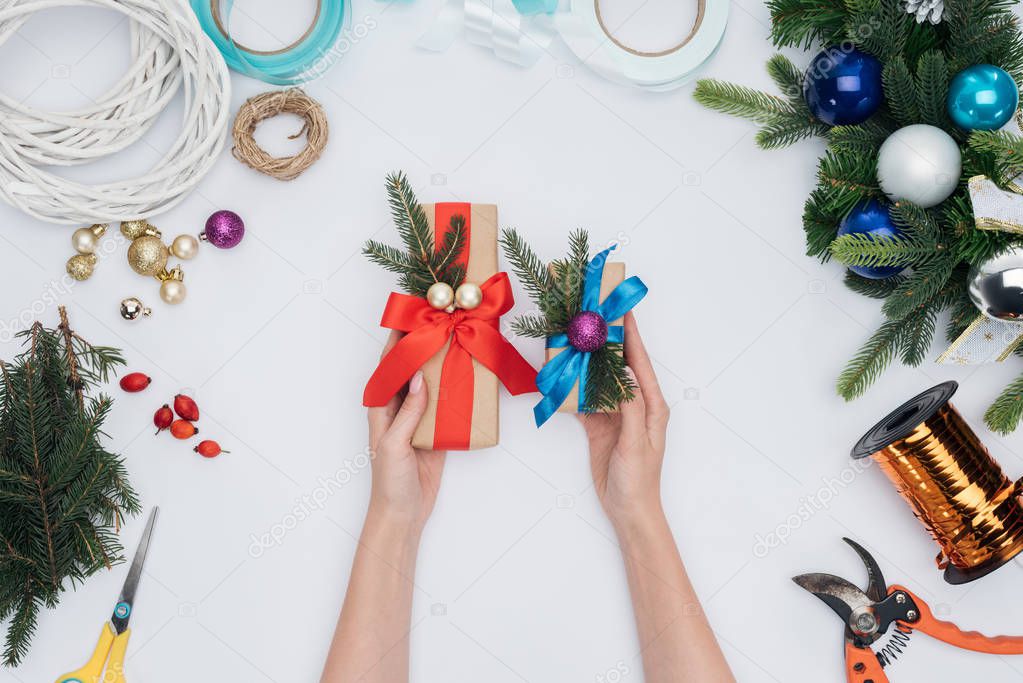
(627, 447)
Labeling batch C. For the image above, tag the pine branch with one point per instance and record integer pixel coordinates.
(804, 23)
(608, 384)
(925, 282)
(875, 289)
(534, 326)
(932, 87)
(390, 258)
(737, 100)
(1004, 414)
(788, 129)
(900, 91)
(870, 361)
(860, 249)
(527, 266)
(788, 78)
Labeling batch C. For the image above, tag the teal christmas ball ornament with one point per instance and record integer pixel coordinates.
(982, 97)
(871, 217)
(842, 87)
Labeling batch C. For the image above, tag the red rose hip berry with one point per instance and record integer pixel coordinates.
(209, 449)
(135, 381)
(163, 418)
(186, 408)
(183, 429)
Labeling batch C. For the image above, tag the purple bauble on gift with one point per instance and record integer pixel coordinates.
(587, 331)
(224, 229)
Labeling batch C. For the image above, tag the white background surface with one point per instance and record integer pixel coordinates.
(518, 578)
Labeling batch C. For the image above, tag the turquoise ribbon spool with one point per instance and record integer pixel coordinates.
(307, 58)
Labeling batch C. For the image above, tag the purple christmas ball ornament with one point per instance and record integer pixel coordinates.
(224, 229)
(587, 331)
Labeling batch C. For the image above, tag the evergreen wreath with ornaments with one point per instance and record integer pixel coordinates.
(910, 98)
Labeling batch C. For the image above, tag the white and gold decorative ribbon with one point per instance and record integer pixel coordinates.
(986, 340)
(996, 208)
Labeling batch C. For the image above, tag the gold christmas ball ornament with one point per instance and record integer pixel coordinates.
(137, 228)
(468, 296)
(147, 255)
(85, 240)
(80, 266)
(172, 289)
(185, 247)
(132, 308)
(440, 295)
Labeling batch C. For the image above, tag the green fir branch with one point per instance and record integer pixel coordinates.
(1003, 416)
(900, 91)
(926, 281)
(861, 249)
(875, 289)
(737, 100)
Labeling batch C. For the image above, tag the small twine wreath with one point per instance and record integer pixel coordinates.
(267, 105)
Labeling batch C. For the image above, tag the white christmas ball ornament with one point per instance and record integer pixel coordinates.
(920, 164)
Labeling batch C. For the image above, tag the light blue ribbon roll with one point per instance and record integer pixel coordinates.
(308, 58)
(556, 379)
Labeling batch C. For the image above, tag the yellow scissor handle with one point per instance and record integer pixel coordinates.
(110, 644)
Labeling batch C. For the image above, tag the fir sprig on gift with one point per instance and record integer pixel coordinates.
(421, 264)
(939, 244)
(62, 494)
(556, 289)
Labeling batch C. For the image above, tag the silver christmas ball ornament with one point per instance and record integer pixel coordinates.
(132, 308)
(920, 164)
(996, 286)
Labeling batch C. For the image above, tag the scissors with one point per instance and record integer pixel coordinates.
(113, 639)
(869, 614)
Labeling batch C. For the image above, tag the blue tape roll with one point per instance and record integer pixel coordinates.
(308, 58)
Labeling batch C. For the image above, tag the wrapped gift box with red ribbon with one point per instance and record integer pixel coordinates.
(461, 351)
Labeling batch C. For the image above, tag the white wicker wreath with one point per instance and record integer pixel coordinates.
(169, 52)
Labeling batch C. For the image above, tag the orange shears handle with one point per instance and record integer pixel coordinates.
(861, 665)
(948, 632)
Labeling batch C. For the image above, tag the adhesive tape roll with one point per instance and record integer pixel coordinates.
(307, 58)
(584, 30)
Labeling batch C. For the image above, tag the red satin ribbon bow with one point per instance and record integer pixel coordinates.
(473, 334)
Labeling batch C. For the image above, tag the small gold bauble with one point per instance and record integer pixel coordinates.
(440, 295)
(185, 247)
(172, 291)
(137, 228)
(468, 296)
(80, 266)
(132, 308)
(85, 240)
(147, 255)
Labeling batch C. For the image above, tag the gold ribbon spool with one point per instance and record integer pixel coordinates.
(954, 486)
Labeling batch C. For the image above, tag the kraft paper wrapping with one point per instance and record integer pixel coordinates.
(485, 418)
(614, 275)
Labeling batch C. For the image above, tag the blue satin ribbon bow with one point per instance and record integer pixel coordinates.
(557, 377)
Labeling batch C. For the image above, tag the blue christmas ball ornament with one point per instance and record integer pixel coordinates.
(843, 87)
(982, 97)
(871, 218)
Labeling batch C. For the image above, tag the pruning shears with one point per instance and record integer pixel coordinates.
(869, 614)
(113, 639)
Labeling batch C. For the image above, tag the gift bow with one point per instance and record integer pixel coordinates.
(558, 376)
(473, 334)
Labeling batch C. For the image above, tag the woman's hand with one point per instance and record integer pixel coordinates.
(627, 448)
(405, 479)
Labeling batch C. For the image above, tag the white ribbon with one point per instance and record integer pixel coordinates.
(494, 24)
(522, 40)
